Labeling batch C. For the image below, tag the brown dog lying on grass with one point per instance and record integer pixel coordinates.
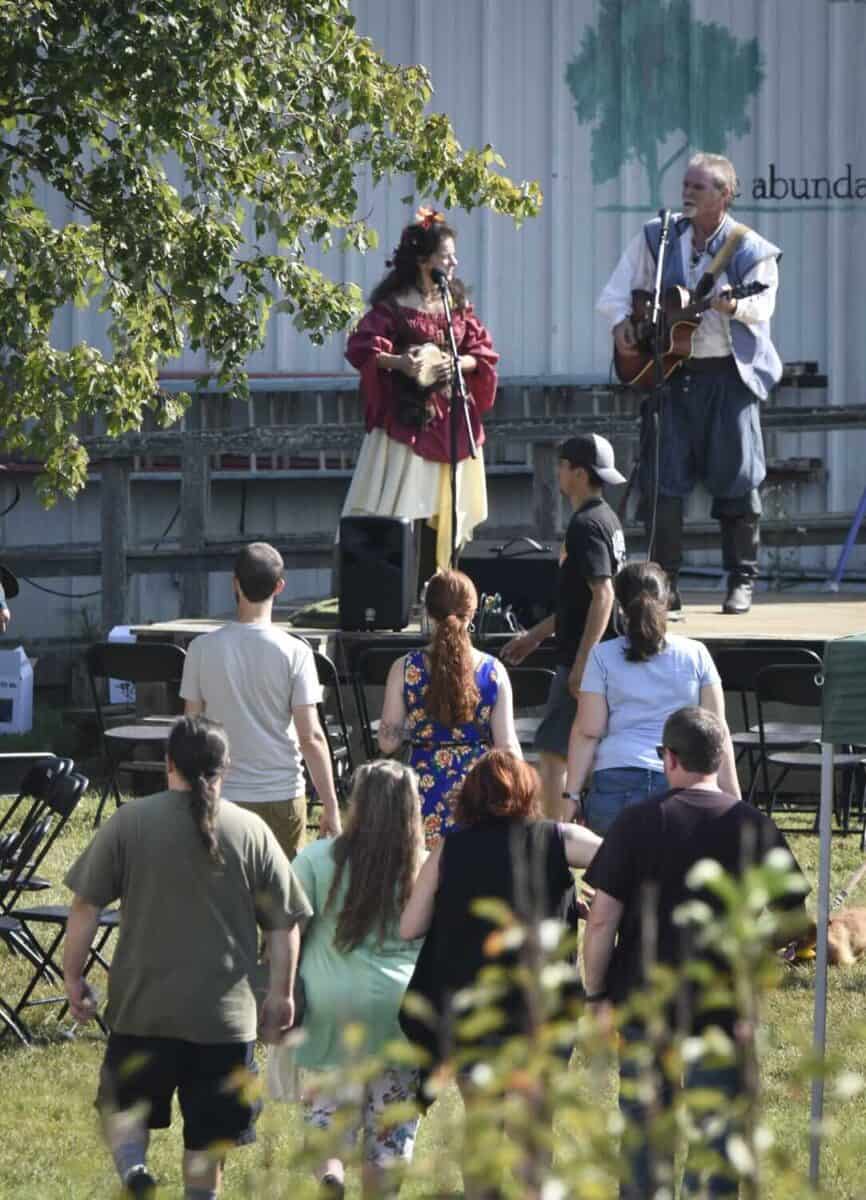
(846, 939)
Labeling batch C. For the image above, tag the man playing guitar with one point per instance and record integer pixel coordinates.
(709, 426)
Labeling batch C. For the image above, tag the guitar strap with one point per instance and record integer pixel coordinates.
(722, 258)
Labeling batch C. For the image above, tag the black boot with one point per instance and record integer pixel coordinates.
(740, 544)
(739, 597)
(667, 548)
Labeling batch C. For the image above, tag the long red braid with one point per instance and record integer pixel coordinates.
(453, 693)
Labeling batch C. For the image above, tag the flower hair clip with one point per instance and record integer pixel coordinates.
(426, 217)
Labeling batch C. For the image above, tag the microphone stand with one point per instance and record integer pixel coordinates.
(459, 412)
(657, 334)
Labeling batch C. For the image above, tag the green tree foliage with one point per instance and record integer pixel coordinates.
(648, 71)
(195, 150)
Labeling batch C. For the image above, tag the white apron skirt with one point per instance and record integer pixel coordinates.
(391, 480)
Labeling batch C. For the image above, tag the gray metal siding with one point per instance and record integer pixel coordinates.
(498, 67)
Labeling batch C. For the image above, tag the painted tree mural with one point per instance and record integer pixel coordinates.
(648, 71)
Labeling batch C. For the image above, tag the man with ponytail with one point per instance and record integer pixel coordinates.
(196, 879)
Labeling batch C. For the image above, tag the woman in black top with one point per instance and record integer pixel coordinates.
(500, 850)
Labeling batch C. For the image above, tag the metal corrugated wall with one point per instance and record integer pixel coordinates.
(499, 69)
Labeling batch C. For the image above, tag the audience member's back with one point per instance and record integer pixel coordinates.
(250, 676)
(261, 684)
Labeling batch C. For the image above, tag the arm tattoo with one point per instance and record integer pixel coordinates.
(399, 732)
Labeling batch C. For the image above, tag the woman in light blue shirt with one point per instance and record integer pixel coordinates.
(630, 686)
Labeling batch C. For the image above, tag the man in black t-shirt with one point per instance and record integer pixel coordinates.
(639, 876)
(593, 552)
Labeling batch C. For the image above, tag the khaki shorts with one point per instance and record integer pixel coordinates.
(287, 820)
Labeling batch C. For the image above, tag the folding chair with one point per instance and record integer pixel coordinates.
(372, 669)
(334, 724)
(13, 770)
(54, 792)
(132, 662)
(799, 687)
(530, 687)
(25, 843)
(33, 782)
(57, 915)
(738, 668)
(10, 928)
(58, 806)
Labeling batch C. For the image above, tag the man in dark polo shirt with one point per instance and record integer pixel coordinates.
(641, 878)
(593, 552)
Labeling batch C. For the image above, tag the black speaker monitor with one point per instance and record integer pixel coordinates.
(522, 572)
(376, 572)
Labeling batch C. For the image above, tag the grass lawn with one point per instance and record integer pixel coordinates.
(50, 1146)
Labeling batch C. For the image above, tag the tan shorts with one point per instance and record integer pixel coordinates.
(287, 820)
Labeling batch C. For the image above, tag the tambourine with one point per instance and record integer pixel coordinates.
(432, 358)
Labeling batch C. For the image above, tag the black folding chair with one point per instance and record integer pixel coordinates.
(54, 792)
(353, 652)
(33, 783)
(138, 663)
(11, 929)
(59, 805)
(14, 767)
(738, 668)
(372, 672)
(43, 807)
(530, 687)
(56, 917)
(799, 687)
(334, 724)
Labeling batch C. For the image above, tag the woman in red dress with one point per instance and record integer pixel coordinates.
(399, 348)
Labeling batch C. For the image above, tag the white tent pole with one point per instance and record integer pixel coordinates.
(819, 1036)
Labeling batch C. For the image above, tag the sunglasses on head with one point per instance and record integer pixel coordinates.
(660, 751)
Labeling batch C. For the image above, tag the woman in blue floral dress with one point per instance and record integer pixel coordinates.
(450, 702)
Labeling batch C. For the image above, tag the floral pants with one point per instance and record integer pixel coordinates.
(383, 1144)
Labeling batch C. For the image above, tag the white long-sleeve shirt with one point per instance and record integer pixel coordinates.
(636, 269)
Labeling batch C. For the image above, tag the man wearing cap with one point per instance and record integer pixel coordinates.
(593, 552)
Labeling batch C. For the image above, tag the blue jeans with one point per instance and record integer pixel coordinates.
(649, 1140)
(615, 789)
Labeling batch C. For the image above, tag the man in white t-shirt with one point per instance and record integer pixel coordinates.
(261, 684)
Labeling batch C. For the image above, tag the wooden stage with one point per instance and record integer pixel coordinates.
(806, 619)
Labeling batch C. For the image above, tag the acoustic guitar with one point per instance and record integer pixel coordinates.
(681, 316)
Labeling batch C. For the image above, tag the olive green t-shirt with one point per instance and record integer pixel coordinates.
(188, 939)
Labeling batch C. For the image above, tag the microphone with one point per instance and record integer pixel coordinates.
(438, 276)
(665, 215)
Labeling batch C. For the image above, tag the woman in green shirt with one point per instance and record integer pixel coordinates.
(355, 966)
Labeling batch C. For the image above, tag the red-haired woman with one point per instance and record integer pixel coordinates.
(449, 701)
(403, 466)
(502, 850)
